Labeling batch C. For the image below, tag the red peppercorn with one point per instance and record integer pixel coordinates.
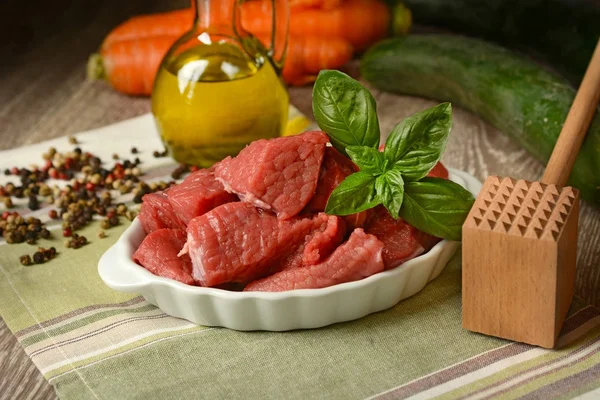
(5, 215)
(53, 214)
(48, 164)
(62, 175)
(14, 171)
(67, 232)
(90, 186)
(53, 173)
(68, 163)
(76, 186)
(111, 213)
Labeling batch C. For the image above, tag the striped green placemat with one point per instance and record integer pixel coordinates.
(92, 342)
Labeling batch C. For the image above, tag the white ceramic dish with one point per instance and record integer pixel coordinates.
(297, 309)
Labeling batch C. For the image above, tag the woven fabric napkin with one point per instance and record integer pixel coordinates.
(92, 342)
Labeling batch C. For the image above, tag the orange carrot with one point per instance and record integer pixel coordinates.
(172, 23)
(307, 55)
(176, 23)
(323, 4)
(130, 66)
(360, 22)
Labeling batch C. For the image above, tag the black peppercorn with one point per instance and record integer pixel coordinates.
(18, 237)
(38, 257)
(33, 203)
(114, 220)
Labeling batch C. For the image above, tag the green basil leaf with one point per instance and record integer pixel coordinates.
(368, 159)
(417, 143)
(345, 110)
(436, 206)
(390, 190)
(356, 193)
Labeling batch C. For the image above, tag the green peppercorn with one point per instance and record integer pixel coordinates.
(121, 209)
(7, 202)
(105, 223)
(130, 215)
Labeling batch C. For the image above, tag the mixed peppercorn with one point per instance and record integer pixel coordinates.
(86, 195)
(16, 229)
(39, 257)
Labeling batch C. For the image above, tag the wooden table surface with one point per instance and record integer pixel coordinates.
(44, 94)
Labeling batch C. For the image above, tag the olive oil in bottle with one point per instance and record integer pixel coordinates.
(211, 100)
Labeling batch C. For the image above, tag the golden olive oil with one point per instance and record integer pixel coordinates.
(212, 100)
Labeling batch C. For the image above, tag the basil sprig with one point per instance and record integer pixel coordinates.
(345, 110)
(397, 177)
(436, 206)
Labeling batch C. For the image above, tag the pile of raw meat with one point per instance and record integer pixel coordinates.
(256, 222)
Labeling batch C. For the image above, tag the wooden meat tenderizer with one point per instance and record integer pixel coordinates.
(520, 240)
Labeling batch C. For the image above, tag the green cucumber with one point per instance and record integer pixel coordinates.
(562, 32)
(510, 92)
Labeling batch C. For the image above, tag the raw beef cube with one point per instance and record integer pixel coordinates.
(439, 171)
(197, 194)
(156, 213)
(278, 174)
(359, 257)
(323, 241)
(402, 241)
(317, 246)
(335, 168)
(237, 242)
(158, 254)
(356, 220)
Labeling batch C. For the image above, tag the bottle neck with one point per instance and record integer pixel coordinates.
(213, 13)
